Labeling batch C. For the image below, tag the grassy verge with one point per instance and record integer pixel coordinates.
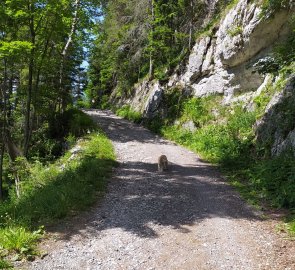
(128, 113)
(5, 265)
(51, 192)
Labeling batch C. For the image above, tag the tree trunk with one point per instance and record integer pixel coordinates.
(191, 24)
(65, 52)
(30, 86)
(151, 69)
(3, 116)
(11, 148)
(1, 170)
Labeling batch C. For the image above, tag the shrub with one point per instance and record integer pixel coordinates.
(104, 103)
(19, 240)
(71, 121)
(5, 265)
(128, 113)
(275, 179)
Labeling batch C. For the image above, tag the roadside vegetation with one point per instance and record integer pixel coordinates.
(128, 113)
(56, 188)
(42, 79)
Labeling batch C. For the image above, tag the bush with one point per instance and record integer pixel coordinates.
(217, 142)
(104, 102)
(19, 240)
(5, 265)
(128, 113)
(198, 110)
(48, 142)
(230, 143)
(51, 192)
(83, 104)
(71, 121)
(275, 179)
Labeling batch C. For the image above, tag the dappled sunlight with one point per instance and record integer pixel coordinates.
(138, 195)
(183, 196)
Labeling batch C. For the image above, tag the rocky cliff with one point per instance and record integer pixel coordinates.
(221, 63)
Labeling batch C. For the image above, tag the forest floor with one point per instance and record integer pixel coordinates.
(185, 218)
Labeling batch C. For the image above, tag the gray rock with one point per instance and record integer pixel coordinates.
(154, 100)
(190, 126)
(196, 60)
(223, 63)
(244, 33)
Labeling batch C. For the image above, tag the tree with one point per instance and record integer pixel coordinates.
(139, 38)
(41, 50)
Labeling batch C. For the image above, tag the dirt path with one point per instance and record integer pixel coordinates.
(186, 218)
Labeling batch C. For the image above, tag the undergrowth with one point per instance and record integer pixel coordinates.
(5, 264)
(51, 192)
(128, 113)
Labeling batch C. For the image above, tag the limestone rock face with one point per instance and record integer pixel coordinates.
(196, 59)
(244, 33)
(221, 63)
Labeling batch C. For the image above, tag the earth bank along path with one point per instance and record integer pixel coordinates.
(186, 218)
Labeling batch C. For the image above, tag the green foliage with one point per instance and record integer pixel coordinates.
(104, 104)
(83, 104)
(219, 143)
(221, 10)
(14, 48)
(127, 112)
(156, 124)
(5, 265)
(270, 6)
(173, 100)
(230, 143)
(48, 140)
(275, 179)
(237, 30)
(198, 110)
(290, 224)
(72, 121)
(51, 192)
(19, 240)
(263, 99)
(137, 33)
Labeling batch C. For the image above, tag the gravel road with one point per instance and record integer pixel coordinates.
(185, 218)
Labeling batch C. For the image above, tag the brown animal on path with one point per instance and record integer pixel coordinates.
(162, 163)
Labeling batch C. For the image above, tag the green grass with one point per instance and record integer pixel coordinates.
(19, 239)
(5, 265)
(217, 142)
(128, 113)
(236, 30)
(55, 191)
(290, 225)
(232, 146)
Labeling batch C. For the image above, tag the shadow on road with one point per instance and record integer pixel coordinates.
(178, 198)
(140, 198)
(115, 127)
